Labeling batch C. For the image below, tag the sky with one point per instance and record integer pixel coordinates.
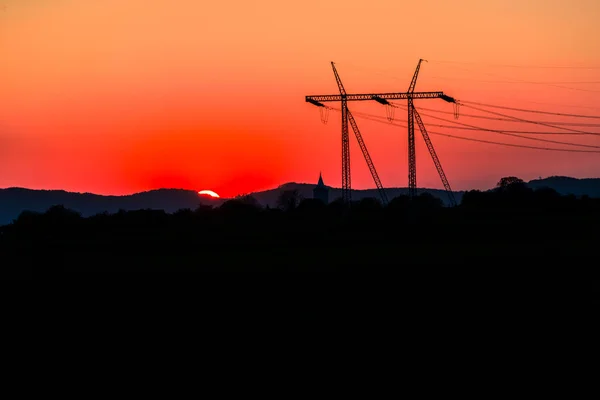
(118, 97)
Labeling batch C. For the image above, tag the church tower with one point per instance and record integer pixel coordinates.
(321, 191)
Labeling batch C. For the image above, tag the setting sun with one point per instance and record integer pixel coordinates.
(208, 193)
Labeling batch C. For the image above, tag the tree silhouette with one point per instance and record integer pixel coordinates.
(510, 181)
(288, 200)
(247, 199)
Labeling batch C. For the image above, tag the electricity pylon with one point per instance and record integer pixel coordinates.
(381, 98)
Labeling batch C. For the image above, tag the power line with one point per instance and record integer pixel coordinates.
(478, 129)
(509, 131)
(389, 75)
(532, 111)
(506, 119)
(520, 82)
(513, 145)
(501, 132)
(560, 105)
(514, 80)
(529, 121)
(516, 66)
(375, 118)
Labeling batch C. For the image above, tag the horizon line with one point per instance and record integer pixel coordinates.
(265, 190)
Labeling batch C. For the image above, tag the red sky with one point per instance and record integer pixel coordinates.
(116, 97)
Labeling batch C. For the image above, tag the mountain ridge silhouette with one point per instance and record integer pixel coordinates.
(15, 200)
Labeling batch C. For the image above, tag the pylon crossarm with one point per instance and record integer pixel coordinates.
(370, 96)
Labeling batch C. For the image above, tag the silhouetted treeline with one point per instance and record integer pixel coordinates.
(512, 225)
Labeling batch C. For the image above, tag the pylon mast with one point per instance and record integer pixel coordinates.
(346, 182)
(412, 157)
(347, 117)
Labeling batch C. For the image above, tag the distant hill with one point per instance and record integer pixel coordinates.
(269, 197)
(13, 201)
(566, 185)
(562, 184)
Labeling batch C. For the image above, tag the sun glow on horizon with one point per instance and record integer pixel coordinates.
(208, 193)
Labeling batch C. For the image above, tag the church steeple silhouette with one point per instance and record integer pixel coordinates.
(321, 192)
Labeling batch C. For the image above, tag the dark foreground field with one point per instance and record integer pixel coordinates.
(513, 229)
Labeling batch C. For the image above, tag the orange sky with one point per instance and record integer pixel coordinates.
(116, 97)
